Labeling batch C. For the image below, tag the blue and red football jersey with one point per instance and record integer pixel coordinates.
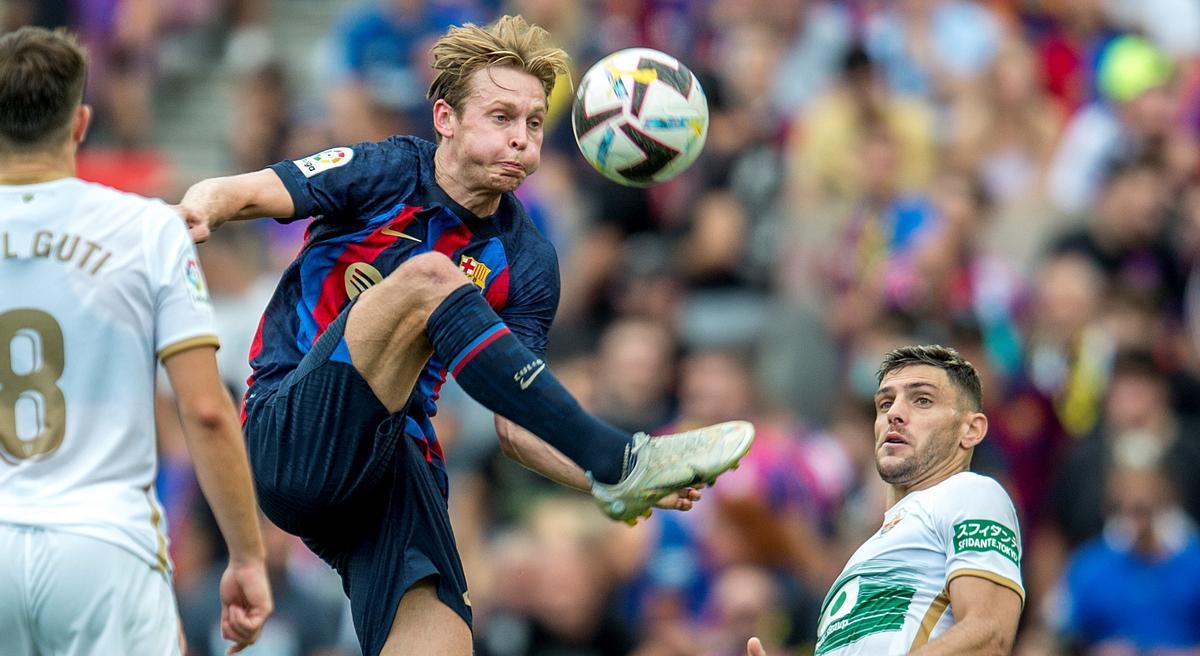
(376, 205)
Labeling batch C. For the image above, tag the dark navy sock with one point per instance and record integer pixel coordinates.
(492, 366)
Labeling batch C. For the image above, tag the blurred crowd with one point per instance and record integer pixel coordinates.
(1019, 179)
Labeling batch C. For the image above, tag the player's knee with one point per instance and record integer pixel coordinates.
(420, 282)
(429, 273)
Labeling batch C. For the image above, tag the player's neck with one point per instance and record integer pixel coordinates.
(897, 491)
(33, 167)
(480, 202)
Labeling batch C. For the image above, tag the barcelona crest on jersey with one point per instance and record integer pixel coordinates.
(475, 270)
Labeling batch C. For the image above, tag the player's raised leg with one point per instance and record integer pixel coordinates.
(426, 304)
(385, 328)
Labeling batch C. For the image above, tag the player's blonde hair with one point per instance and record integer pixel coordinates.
(510, 41)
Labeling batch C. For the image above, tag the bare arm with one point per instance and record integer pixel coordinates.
(214, 440)
(210, 203)
(535, 454)
(985, 619)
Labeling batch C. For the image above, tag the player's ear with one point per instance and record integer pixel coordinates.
(443, 118)
(976, 428)
(81, 123)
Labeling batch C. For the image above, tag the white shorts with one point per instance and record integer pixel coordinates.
(65, 594)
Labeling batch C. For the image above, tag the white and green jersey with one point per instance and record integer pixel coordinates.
(893, 594)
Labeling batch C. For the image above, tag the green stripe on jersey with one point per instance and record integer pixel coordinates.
(878, 608)
(870, 598)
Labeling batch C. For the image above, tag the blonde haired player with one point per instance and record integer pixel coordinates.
(422, 263)
(95, 287)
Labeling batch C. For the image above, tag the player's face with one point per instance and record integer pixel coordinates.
(918, 424)
(497, 137)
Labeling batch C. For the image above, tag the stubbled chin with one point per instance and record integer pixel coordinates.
(892, 470)
(504, 183)
(889, 461)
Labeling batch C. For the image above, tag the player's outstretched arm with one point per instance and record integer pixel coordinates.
(985, 619)
(210, 203)
(214, 440)
(535, 454)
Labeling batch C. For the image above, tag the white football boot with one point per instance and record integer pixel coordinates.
(666, 463)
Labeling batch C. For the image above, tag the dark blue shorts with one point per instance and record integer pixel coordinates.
(332, 466)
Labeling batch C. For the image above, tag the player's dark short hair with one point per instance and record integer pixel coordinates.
(960, 372)
(42, 75)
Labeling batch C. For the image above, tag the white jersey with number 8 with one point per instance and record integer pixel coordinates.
(95, 286)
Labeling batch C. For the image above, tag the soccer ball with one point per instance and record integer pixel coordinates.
(640, 117)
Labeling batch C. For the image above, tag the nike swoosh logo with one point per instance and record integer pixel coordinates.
(396, 233)
(528, 380)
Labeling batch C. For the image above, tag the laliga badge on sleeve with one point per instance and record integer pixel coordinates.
(324, 160)
(197, 288)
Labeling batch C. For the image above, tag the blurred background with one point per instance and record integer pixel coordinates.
(1015, 178)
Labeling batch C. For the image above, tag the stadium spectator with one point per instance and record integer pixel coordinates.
(1135, 116)
(1135, 588)
(1127, 238)
(950, 278)
(635, 373)
(1068, 353)
(261, 131)
(1006, 128)
(555, 600)
(747, 601)
(1138, 402)
(825, 150)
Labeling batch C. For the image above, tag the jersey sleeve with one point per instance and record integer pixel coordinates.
(982, 537)
(534, 300)
(345, 182)
(183, 313)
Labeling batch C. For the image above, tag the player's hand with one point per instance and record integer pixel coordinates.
(197, 227)
(245, 603)
(755, 648)
(680, 500)
(198, 210)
